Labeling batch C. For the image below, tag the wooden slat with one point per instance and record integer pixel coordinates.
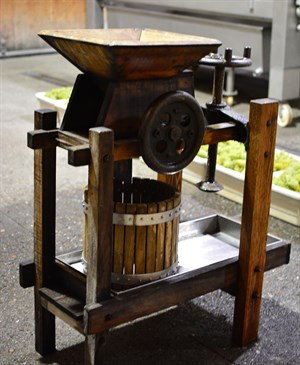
(255, 215)
(118, 232)
(151, 241)
(160, 240)
(175, 229)
(129, 245)
(119, 239)
(168, 237)
(141, 242)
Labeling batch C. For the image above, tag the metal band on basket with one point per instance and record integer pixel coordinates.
(137, 279)
(145, 232)
(146, 219)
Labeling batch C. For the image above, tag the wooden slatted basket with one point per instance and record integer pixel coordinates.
(145, 234)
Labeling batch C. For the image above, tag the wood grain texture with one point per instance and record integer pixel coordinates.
(168, 237)
(156, 296)
(100, 213)
(129, 244)
(119, 239)
(151, 241)
(129, 54)
(277, 254)
(255, 215)
(133, 99)
(100, 197)
(174, 252)
(174, 180)
(160, 240)
(141, 243)
(44, 232)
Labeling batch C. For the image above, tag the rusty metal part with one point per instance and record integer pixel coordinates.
(220, 62)
(210, 184)
(218, 111)
(172, 131)
(226, 114)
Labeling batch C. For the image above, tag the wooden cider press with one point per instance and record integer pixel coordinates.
(140, 84)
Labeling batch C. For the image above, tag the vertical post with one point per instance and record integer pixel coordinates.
(255, 215)
(100, 213)
(44, 231)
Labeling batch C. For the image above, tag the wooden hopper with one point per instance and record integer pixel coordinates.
(129, 54)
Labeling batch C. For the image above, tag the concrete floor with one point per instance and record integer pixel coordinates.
(196, 332)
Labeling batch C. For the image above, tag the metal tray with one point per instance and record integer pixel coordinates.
(206, 241)
(202, 242)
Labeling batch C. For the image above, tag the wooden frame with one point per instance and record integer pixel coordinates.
(97, 310)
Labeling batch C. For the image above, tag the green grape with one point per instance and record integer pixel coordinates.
(232, 155)
(59, 93)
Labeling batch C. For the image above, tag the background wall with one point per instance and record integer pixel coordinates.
(21, 20)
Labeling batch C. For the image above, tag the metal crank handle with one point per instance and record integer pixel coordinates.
(228, 60)
(220, 62)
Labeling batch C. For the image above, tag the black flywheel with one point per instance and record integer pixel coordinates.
(171, 132)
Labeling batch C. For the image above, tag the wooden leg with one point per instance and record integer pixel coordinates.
(100, 212)
(92, 347)
(254, 226)
(44, 232)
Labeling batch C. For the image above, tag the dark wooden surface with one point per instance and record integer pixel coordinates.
(77, 143)
(44, 232)
(100, 213)
(255, 217)
(129, 53)
(66, 304)
(243, 275)
(84, 105)
(126, 102)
